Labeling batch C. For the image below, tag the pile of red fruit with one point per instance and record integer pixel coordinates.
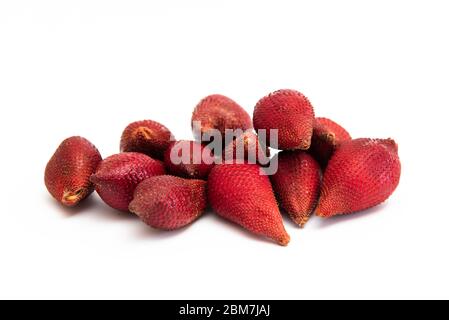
(321, 169)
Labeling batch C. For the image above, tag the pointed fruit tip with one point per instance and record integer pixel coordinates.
(319, 213)
(132, 209)
(284, 241)
(302, 221)
(71, 199)
(305, 145)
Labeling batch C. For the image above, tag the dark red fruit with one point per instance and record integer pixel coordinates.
(118, 176)
(189, 159)
(68, 171)
(169, 203)
(291, 113)
(239, 193)
(361, 174)
(297, 184)
(147, 137)
(220, 113)
(327, 137)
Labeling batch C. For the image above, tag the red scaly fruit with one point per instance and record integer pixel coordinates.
(189, 159)
(247, 146)
(297, 184)
(68, 171)
(147, 137)
(361, 174)
(220, 113)
(169, 203)
(118, 176)
(239, 193)
(291, 113)
(327, 137)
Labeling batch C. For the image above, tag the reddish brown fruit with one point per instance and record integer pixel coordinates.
(189, 159)
(219, 112)
(327, 137)
(362, 174)
(147, 137)
(118, 176)
(291, 113)
(247, 147)
(169, 203)
(297, 184)
(239, 193)
(68, 171)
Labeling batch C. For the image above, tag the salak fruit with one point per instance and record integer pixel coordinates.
(327, 137)
(147, 137)
(291, 113)
(217, 112)
(169, 203)
(118, 176)
(297, 184)
(189, 159)
(68, 171)
(361, 174)
(247, 147)
(239, 193)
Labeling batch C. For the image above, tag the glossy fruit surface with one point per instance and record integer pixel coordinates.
(68, 172)
(220, 113)
(169, 203)
(289, 112)
(118, 176)
(239, 193)
(297, 184)
(327, 137)
(361, 174)
(147, 137)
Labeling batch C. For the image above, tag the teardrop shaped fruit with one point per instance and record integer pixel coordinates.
(220, 113)
(118, 176)
(189, 159)
(247, 147)
(327, 137)
(68, 171)
(361, 174)
(239, 193)
(289, 112)
(297, 184)
(169, 203)
(147, 137)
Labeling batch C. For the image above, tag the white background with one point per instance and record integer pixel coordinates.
(381, 68)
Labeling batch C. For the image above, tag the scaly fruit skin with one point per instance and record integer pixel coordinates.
(147, 137)
(361, 174)
(220, 113)
(118, 176)
(169, 203)
(297, 184)
(68, 171)
(291, 113)
(253, 150)
(239, 193)
(327, 137)
(199, 160)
